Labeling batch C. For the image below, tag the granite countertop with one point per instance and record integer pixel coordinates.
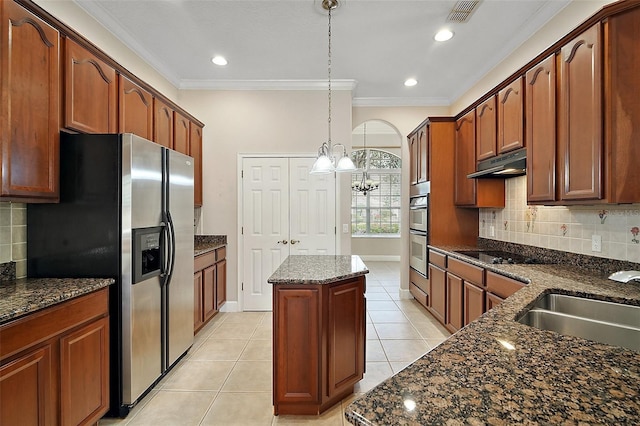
(27, 295)
(547, 378)
(318, 269)
(203, 244)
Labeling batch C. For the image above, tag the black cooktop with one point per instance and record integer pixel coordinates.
(498, 256)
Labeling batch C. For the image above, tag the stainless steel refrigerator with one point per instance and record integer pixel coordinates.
(125, 211)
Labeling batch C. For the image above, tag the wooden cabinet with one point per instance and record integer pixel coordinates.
(541, 131)
(162, 123)
(486, 129)
(195, 150)
(29, 119)
(54, 364)
(181, 133)
(454, 313)
(318, 344)
(473, 302)
(472, 192)
(502, 286)
(580, 143)
(209, 285)
(492, 301)
(419, 155)
(511, 117)
(437, 293)
(419, 287)
(90, 95)
(135, 107)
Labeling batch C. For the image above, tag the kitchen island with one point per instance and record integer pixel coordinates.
(498, 371)
(318, 331)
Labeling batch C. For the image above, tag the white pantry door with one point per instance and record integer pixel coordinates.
(285, 211)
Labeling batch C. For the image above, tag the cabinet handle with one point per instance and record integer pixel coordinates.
(283, 242)
(295, 241)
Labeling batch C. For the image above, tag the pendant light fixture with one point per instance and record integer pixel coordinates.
(365, 185)
(326, 161)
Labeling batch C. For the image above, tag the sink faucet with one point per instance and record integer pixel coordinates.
(625, 276)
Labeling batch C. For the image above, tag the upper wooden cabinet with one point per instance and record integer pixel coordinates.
(413, 158)
(580, 140)
(90, 95)
(135, 109)
(485, 130)
(511, 117)
(195, 150)
(181, 133)
(162, 123)
(472, 192)
(423, 154)
(541, 131)
(30, 119)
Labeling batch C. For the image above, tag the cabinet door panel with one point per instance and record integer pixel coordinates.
(423, 154)
(181, 132)
(486, 129)
(84, 373)
(195, 150)
(162, 123)
(221, 283)
(541, 131)
(198, 316)
(580, 117)
(493, 301)
(90, 92)
(30, 119)
(414, 159)
(209, 292)
(473, 302)
(465, 160)
(454, 303)
(510, 117)
(437, 292)
(26, 389)
(136, 109)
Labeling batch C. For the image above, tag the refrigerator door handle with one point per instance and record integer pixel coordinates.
(172, 248)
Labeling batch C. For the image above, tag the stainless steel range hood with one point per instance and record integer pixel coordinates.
(505, 165)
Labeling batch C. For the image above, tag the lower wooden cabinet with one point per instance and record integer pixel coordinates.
(473, 302)
(209, 286)
(319, 336)
(454, 313)
(437, 293)
(54, 364)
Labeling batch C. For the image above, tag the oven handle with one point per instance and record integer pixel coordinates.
(415, 232)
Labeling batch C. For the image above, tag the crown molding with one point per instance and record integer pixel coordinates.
(348, 85)
(401, 102)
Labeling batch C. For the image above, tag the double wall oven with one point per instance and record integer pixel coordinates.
(419, 233)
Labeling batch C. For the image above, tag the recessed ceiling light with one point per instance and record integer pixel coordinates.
(410, 82)
(443, 35)
(219, 60)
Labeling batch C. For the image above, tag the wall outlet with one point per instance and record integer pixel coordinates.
(596, 243)
(345, 228)
(492, 231)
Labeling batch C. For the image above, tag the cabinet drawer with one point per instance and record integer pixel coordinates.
(466, 271)
(204, 260)
(501, 285)
(221, 253)
(438, 259)
(420, 296)
(419, 281)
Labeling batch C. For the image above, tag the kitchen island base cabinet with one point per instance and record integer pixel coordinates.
(54, 364)
(319, 344)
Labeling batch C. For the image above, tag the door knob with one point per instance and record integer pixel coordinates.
(295, 241)
(283, 242)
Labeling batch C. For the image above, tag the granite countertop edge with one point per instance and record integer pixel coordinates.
(471, 378)
(203, 244)
(317, 269)
(27, 295)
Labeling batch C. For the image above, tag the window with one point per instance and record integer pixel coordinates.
(378, 211)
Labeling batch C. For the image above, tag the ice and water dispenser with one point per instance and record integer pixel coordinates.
(147, 253)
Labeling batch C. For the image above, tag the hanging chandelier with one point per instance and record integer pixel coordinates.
(327, 162)
(365, 185)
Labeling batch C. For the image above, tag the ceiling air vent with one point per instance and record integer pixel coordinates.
(463, 10)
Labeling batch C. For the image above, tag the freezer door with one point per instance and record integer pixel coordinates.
(180, 287)
(140, 303)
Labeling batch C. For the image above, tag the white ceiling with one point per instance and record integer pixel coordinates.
(376, 45)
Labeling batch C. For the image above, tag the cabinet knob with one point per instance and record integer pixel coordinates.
(295, 241)
(283, 242)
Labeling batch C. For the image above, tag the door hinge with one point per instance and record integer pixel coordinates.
(335, 230)
(242, 230)
(241, 174)
(242, 286)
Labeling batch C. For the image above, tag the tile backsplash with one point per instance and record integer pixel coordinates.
(13, 236)
(562, 228)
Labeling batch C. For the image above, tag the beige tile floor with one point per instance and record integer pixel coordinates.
(225, 378)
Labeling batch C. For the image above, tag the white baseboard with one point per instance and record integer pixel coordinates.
(379, 258)
(405, 294)
(230, 306)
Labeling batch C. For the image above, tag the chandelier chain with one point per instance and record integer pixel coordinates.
(329, 78)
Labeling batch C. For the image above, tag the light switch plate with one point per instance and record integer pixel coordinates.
(596, 243)
(492, 231)
(345, 228)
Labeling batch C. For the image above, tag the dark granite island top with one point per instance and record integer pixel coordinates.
(26, 295)
(318, 269)
(497, 371)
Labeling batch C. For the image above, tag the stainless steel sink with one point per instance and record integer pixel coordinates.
(605, 322)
